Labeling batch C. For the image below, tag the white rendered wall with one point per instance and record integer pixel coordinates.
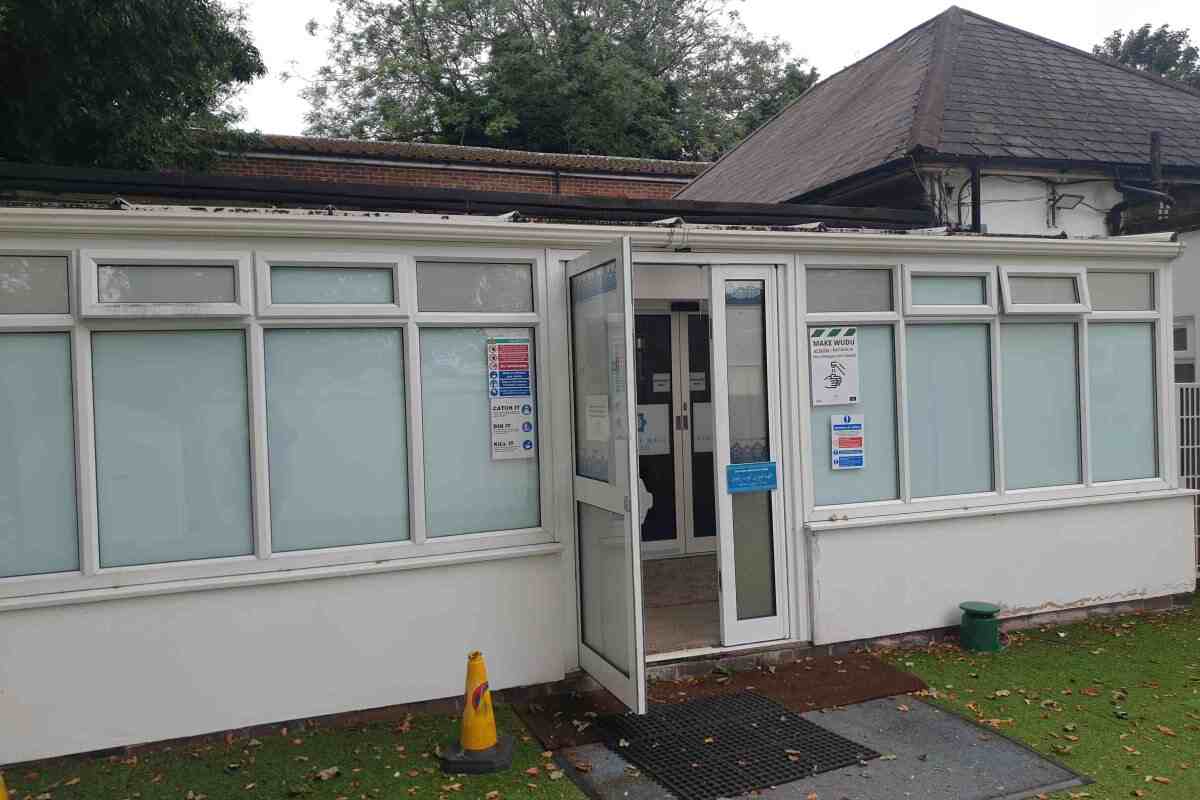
(1185, 272)
(83, 677)
(878, 581)
(1018, 205)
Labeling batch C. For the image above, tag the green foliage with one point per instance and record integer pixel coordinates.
(136, 84)
(649, 78)
(307, 761)
(1161, 51)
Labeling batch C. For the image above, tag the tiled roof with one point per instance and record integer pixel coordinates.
(485, 156)
(960, 85)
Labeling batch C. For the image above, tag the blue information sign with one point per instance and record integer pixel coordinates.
(759, 476)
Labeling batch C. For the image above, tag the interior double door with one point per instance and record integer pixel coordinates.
(672, 366)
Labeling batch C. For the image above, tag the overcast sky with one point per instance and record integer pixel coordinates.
(829, 35)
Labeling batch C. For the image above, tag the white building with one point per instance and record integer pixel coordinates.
(260, 466)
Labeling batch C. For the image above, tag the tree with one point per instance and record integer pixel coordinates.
(650, 78)
(1163, 52)
(134, 84)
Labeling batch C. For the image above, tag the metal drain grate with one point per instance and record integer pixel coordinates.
(727, 745)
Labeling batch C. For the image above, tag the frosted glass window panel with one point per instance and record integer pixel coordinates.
(949, 409)
(879, 479)
(336, 437)
(1122, 401)
(465, 490)
(332, 285)
(599, 371)
(605, 585)
(949, 290)
(832, 290)
(33, 285)
(38, 517)
(166, 283)
(1116, 291)
(749, 441)
(172, 446)
(1039, 371)
(1043, 289)
(467, 286)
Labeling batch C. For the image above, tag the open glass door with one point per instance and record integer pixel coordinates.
(606, 490)
(746, 443)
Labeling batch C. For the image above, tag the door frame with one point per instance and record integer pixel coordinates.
(619, 497)
(735, 631)
(685, 543)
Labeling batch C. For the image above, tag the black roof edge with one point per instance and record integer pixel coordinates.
(198, 188)
(1128, 171)
(852, 183)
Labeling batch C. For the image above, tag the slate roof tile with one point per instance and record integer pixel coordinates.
(959, 85)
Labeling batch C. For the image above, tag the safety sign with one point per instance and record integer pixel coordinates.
(510, 392)
(848, 441)
(758, 476)
(833, 356)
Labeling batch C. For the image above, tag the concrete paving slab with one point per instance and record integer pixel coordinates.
(937, 756)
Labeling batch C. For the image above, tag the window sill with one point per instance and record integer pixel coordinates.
(276, 577)
(827, 526)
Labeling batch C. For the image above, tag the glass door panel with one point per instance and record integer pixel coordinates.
(656, 420)
(704, 508)
(746, 431)
(608, 531)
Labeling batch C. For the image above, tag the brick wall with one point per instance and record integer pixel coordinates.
(438, 177)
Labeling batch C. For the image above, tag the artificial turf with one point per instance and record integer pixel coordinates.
(1115, 698)
(377, 760)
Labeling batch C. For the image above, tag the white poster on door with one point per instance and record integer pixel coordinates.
(654, 429)
(595, 412)
(702, 428)
(833, 358)
(510, 391)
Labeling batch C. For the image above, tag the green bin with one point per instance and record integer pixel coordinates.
(980, 629)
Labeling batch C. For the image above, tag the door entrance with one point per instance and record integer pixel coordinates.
(611, 642)
(713, 549)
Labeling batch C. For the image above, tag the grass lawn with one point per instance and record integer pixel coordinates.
(1117, 699)
(371, 761)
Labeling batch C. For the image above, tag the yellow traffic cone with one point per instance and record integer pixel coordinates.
(3, 788)
(478, 749)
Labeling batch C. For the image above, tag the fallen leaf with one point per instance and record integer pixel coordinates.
(328, 774)
(533, 772)
(1164, 730)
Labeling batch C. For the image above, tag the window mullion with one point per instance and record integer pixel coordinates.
(416, 437)
(902, 427)
(998, 476)
(85, 450)
(1084, 389)
(260, 467)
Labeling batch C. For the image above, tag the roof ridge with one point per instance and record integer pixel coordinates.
(816, 86)
(926, 128)
(1177, 85)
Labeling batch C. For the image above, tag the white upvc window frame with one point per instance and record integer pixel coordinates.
(164, 255)
(92, 582)
(1001, 496)
(35, 322)
(1079, 274)
(401, 266)
(989, 308)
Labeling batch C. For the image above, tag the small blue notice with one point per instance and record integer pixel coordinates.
(759, 476)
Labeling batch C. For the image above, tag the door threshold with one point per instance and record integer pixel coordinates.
(720, 650)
